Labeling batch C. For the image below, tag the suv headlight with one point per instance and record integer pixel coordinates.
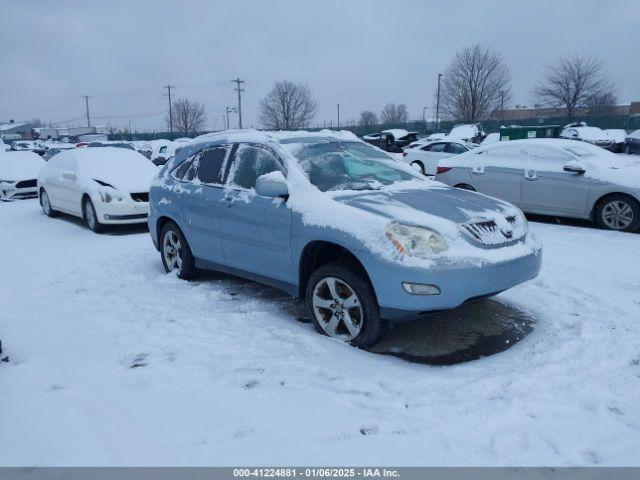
(416, 241)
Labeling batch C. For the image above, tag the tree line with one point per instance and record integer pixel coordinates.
(476, 85)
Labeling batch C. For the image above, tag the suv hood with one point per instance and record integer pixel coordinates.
(446, 203)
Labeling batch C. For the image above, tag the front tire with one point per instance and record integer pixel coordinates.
(90, 216)
(45, 203)
(176, 253)
(618, 212)
(342, 305)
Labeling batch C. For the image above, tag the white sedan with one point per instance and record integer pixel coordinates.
(18, 174)
(425, 158)
(100, 185)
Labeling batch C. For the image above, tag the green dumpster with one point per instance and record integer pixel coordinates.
(520, 132)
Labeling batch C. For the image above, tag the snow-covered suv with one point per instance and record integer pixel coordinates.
(324, 216)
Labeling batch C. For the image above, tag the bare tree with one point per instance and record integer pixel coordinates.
(573, 81)
(476, 83)
(288, 106)
(188, 116)
(602, 103)
(392, 113)
(368, 119)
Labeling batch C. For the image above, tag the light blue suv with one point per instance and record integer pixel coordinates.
(324, 216)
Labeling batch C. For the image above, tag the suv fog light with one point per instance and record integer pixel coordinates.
(420, 289)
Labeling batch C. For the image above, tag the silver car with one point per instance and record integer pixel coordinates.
(553, 177)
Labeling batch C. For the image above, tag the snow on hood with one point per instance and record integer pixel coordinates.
(592, 133)
(16, 166)
(124, 169)
(617, 135)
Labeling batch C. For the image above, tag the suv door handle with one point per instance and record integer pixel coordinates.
(531, 175)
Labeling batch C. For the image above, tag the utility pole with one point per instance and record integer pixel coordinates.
(239, 89)
(502, 105)
(438, 102)
(423, 117)
(169, 87)
(230, 109)
(338, 116)
(86, 104)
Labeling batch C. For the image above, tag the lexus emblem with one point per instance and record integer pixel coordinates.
(507, 232)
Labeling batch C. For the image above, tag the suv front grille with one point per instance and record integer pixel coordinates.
(140, 197)
(487, 232)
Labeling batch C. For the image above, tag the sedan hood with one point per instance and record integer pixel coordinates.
(447, 203)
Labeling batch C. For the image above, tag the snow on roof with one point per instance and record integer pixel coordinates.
(125, 169)
(397, 132)
(18, 166)
(9, 126)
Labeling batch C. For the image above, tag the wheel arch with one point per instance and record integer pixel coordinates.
(603, 198)
(320, 252)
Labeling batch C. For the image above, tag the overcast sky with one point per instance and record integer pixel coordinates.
(360, 54)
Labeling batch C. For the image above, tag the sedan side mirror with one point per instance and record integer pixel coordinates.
(272, 185)
(69, 175)
(574, 167)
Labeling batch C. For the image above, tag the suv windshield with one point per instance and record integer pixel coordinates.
(349, 166)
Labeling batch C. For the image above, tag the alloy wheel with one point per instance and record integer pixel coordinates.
(172, 251)
(617, 215)
(90, 215)
(337, 308)
(46, 205)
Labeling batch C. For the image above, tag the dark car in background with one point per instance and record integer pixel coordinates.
(392, 140)
(632, 144)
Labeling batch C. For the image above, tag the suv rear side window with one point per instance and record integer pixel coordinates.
(210, 165)
(250, 163)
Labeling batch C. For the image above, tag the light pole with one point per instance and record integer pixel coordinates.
(438, 102)
(230, 109)
(338, 115)
(502, 105)
(423, 117)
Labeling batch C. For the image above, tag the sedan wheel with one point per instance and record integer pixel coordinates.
(90, 216)
(418, 167)
(46, 204)
(617, 215)
(337, 308)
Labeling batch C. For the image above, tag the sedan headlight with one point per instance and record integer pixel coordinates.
(107, 195)
(416, 241)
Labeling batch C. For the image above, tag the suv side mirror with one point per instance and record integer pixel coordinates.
(69, 175)
(574, 167)
(272, 184)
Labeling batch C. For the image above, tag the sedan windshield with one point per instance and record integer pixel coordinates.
(349, 166)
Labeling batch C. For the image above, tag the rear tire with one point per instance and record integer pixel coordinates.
(45, 203)
(176, 253)
(418, 166)
(342, 304)
(90, 216)
(618, 212)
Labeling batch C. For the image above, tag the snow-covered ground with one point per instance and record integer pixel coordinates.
(112, 362)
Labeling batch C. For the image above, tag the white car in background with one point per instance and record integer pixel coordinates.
(100, 185)
(425, 158)
(491, 138)
(18, 174)
(469, 132)
(162, 151)
(434, 137)
(592, 135)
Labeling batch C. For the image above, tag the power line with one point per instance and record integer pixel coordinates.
(238, 89)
